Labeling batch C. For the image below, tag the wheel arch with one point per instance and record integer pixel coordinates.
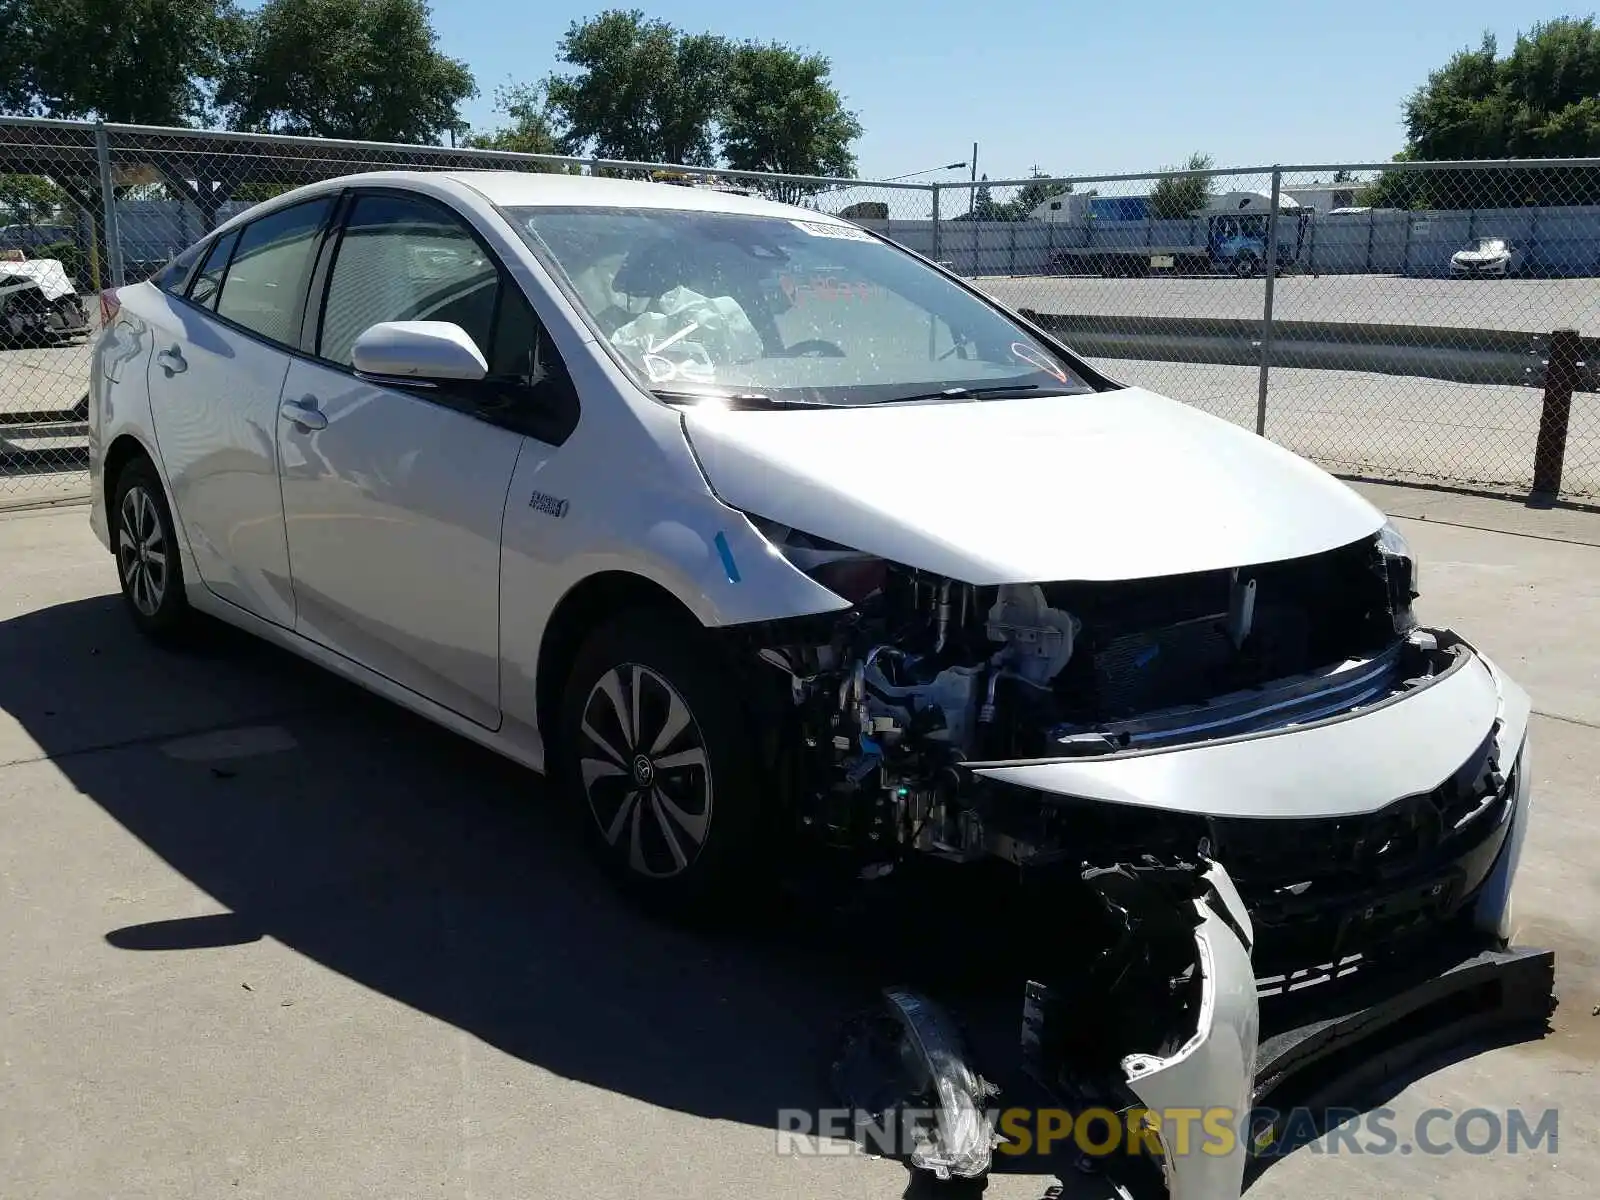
(124, 448)
(585, 607)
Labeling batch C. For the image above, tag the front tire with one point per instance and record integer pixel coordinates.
(656, 753)
(146, 548)
(1245, 266)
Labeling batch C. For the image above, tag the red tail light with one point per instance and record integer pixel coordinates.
(110, 305)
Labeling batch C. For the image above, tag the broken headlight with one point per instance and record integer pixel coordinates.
(1400, 570)
(1400, 561)
(852, 574)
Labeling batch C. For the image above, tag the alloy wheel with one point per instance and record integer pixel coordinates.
(644, 771)
(142, 550)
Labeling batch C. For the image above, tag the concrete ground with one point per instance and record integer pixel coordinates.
(265, 936)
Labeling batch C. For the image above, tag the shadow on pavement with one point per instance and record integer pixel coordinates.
(440, 875)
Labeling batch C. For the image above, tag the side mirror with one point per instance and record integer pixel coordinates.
(423, 350)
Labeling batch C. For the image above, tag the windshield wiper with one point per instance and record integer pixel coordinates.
(973, 393)
(737, 400)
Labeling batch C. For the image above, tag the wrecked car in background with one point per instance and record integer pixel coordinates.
(38, 300)
(765, 536)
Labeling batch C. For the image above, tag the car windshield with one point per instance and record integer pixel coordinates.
(1491, 245)
(787, 311)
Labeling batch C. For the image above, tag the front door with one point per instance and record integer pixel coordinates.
(393, 496)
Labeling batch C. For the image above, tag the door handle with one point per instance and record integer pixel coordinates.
(303, 413)
(172, 362)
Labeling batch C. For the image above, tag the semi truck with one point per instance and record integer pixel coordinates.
(1234, 227)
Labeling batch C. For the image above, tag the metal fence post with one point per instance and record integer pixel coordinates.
(1266, 313)
(936, 247)
(1560, 376)
(108, 200)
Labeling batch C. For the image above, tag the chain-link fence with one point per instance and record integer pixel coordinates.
(1391, 320)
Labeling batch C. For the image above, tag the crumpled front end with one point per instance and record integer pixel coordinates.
(1277, 821)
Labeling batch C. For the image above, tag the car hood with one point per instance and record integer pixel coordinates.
(1122, 484)
(1481, 255)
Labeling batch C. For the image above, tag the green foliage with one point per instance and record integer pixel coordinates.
(360, 69)
(783, 115)
(528, 128)
(983, 205)
(1540, 101)
(1178, 196)
(73, 260)
(30, 200)
(643, 90)
(143, 61)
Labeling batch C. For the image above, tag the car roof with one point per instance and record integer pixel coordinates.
(517, 189)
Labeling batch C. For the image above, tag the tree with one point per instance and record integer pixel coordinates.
(1540, 101)
(150, 62)
(1176, 196)
(528, 130)
(642, 91)
(784, 115)
(983, 205)
(1032, 195)
(30, 200)
(360, 69)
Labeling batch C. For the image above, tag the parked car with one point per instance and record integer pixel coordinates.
(1487, 256)
(769, 540)
(38, 301)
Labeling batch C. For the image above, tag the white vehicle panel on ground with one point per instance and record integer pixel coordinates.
(1214, 1070)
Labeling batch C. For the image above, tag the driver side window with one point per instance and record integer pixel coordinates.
(405, 258)
(402, 259)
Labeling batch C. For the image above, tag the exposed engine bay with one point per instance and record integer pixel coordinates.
(894, 701)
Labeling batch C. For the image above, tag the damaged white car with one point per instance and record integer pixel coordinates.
(765, 535)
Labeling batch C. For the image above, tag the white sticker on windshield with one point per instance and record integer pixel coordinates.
(847, 233)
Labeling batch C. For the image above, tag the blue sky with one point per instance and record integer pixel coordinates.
(1076, 89)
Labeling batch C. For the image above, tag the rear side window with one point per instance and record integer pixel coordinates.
(172, 277)
(264, 289)
(209, 280)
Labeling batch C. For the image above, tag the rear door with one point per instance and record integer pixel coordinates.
(394, 494)
(220, 354)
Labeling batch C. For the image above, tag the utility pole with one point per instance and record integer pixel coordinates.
(972, 192)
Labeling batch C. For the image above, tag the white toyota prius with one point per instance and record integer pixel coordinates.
(761, 533)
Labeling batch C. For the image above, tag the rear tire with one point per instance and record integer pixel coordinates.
(1245, 266)
(656, 754)
(145, 544)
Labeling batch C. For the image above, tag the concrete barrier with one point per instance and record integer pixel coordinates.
(1492, 356)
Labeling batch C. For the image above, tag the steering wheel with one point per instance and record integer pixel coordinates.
(817, 347)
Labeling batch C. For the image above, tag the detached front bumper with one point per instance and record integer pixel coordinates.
(1422, 803)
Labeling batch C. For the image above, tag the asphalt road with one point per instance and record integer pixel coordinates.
(1388, 426)
(1534, 305)
(264, 936)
